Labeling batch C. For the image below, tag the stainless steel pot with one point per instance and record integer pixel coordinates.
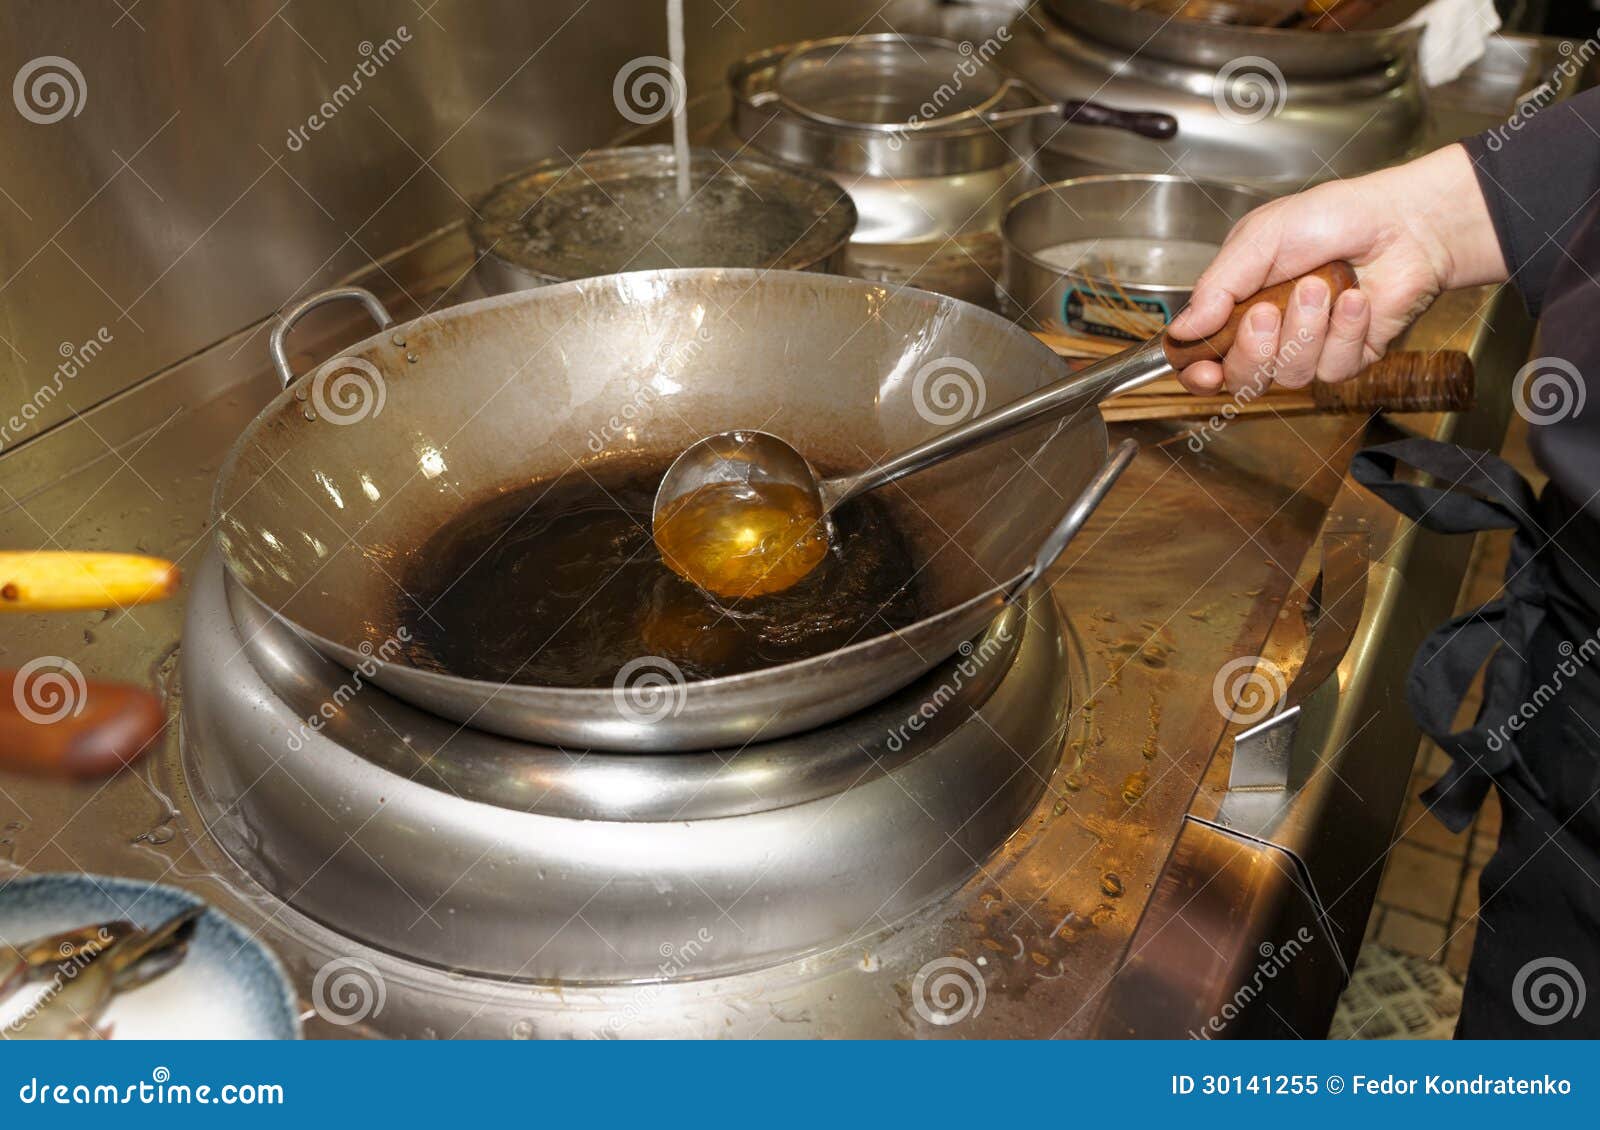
(613, 210)
(1151, 33)
(340, 479)
(1124, 291)
(996, 130)
(1274, 109)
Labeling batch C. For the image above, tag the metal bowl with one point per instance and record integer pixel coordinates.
(616, 210)
(1113, 256)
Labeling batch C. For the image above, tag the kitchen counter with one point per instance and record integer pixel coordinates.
(1133, 901)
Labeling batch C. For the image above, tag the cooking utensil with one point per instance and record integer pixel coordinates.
(56, 581)
(744, 456)
(925, 128)
(1114, 255)
(907, 134)
(55, 723)
(615, 210)
(1275, 108)
(872, 80)
(525, 385)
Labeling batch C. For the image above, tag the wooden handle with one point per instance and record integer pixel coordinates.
(53, 723)
(48, 581)
(1404, 382)
(1340, 277)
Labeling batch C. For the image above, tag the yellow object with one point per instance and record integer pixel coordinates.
(742, 539)
(47, 581)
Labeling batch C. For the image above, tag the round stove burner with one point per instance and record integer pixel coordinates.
(473, 852)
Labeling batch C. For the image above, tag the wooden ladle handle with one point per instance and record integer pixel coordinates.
(1339, 275)
(73, 727)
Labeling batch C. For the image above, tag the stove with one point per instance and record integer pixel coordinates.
(467, 851)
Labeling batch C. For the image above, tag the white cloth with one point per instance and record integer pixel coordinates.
(1455, 36)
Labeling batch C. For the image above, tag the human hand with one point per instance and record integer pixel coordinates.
(1411, 232)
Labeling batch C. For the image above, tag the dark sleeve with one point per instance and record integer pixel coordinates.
(1539, 172)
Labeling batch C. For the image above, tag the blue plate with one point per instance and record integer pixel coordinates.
(229, 987)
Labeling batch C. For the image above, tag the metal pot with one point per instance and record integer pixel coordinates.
(994, 130)
(457, 406)
(614, 210)
(1151, 33)
(1131, 289)
(1275, 109)
(925, 132)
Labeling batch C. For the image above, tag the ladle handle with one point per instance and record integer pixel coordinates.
(1339, 275)
(277, 344)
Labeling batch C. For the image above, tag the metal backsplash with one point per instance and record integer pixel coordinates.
(173, 171)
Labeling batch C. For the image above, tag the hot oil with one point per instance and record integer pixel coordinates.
(559, 583)
(743, 539)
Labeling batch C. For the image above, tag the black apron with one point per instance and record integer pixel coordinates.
(1536, 739)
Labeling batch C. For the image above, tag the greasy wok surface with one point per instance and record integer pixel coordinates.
(330, 495)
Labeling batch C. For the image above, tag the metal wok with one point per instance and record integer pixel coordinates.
(344, 475)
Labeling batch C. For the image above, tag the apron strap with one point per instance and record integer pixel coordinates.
(1478, 491)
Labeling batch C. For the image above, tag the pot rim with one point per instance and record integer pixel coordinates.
(1012, 247)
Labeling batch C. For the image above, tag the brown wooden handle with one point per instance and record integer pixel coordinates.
(1404, 382)
(53, 723)
(1339, 275)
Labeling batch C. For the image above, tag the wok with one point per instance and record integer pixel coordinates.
(329, 492)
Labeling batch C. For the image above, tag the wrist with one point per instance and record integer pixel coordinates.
(1445, 210)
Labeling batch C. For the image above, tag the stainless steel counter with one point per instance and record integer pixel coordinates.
(1130, 902)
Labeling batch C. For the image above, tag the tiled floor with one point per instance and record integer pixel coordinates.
(1427, 904)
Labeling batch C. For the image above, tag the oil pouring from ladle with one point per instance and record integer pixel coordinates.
(742, 513)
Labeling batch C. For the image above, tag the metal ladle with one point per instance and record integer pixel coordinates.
(762, 459)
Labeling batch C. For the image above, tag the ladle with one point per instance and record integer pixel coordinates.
(755, 474)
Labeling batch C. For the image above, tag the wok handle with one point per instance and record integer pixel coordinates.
(1077, 515)
(276, 344)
